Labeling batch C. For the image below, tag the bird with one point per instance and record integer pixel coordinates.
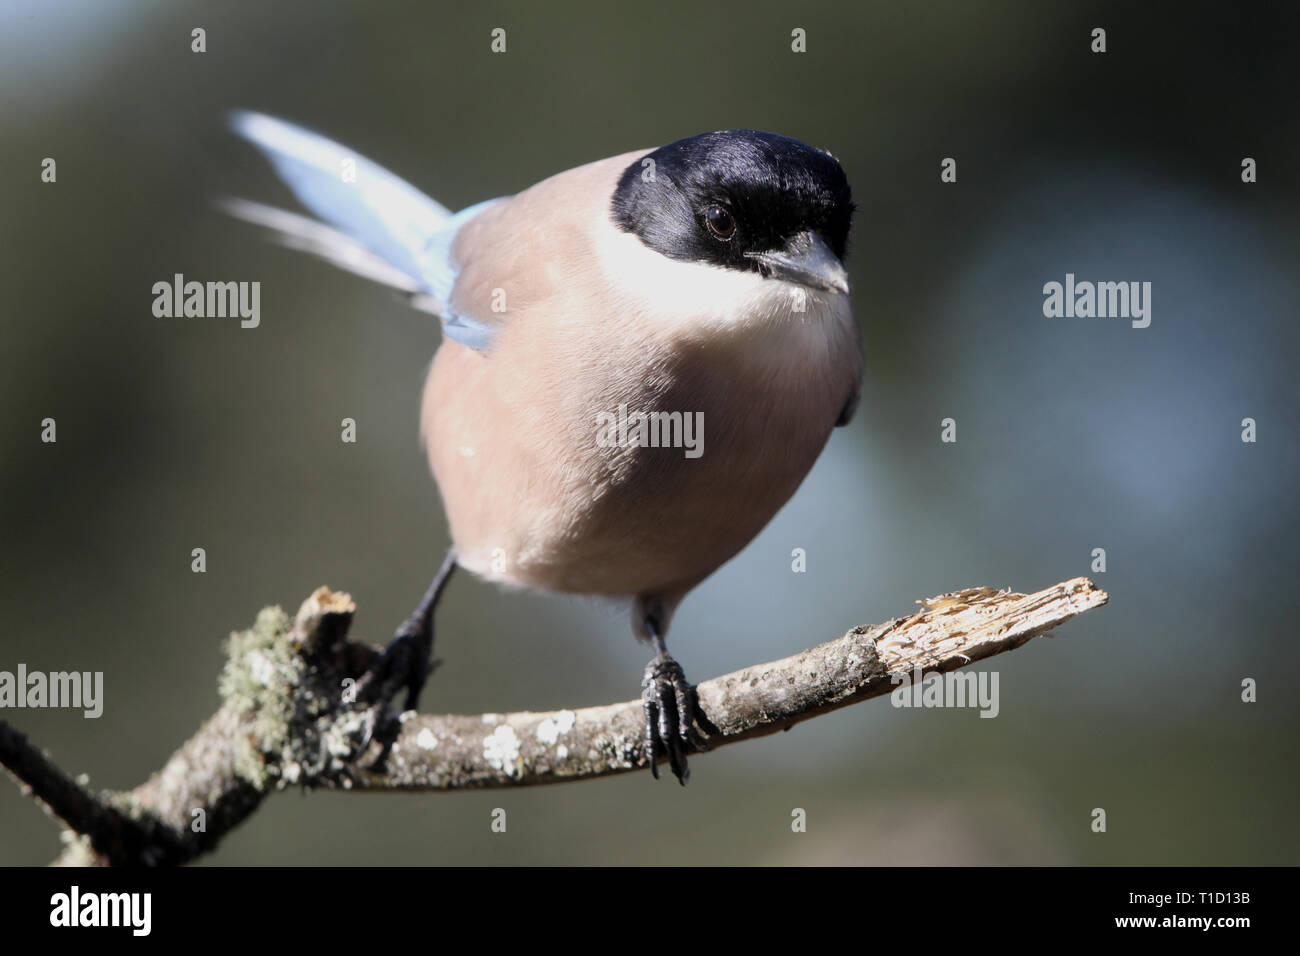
(700, 282)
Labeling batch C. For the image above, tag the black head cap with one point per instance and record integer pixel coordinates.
(741, 199)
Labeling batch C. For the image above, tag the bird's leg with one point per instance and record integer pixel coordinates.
(671, 709)
(408, 659)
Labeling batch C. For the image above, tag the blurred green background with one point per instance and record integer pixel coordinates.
(1072, 434)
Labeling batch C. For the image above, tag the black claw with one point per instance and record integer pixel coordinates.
(405, 663)
(671, 716)
(650, 707)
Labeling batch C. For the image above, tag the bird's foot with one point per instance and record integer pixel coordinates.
(672, 717)
(405, 664)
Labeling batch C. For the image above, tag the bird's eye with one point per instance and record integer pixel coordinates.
(721, 223)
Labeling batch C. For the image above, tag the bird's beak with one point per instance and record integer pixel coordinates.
(807, 259)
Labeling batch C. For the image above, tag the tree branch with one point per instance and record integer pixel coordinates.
(288, 719)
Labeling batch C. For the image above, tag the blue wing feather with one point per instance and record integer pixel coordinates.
(388, 216)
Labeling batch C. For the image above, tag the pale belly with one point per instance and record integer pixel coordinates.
(537, 496)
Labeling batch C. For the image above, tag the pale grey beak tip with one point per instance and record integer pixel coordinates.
(808, 261)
